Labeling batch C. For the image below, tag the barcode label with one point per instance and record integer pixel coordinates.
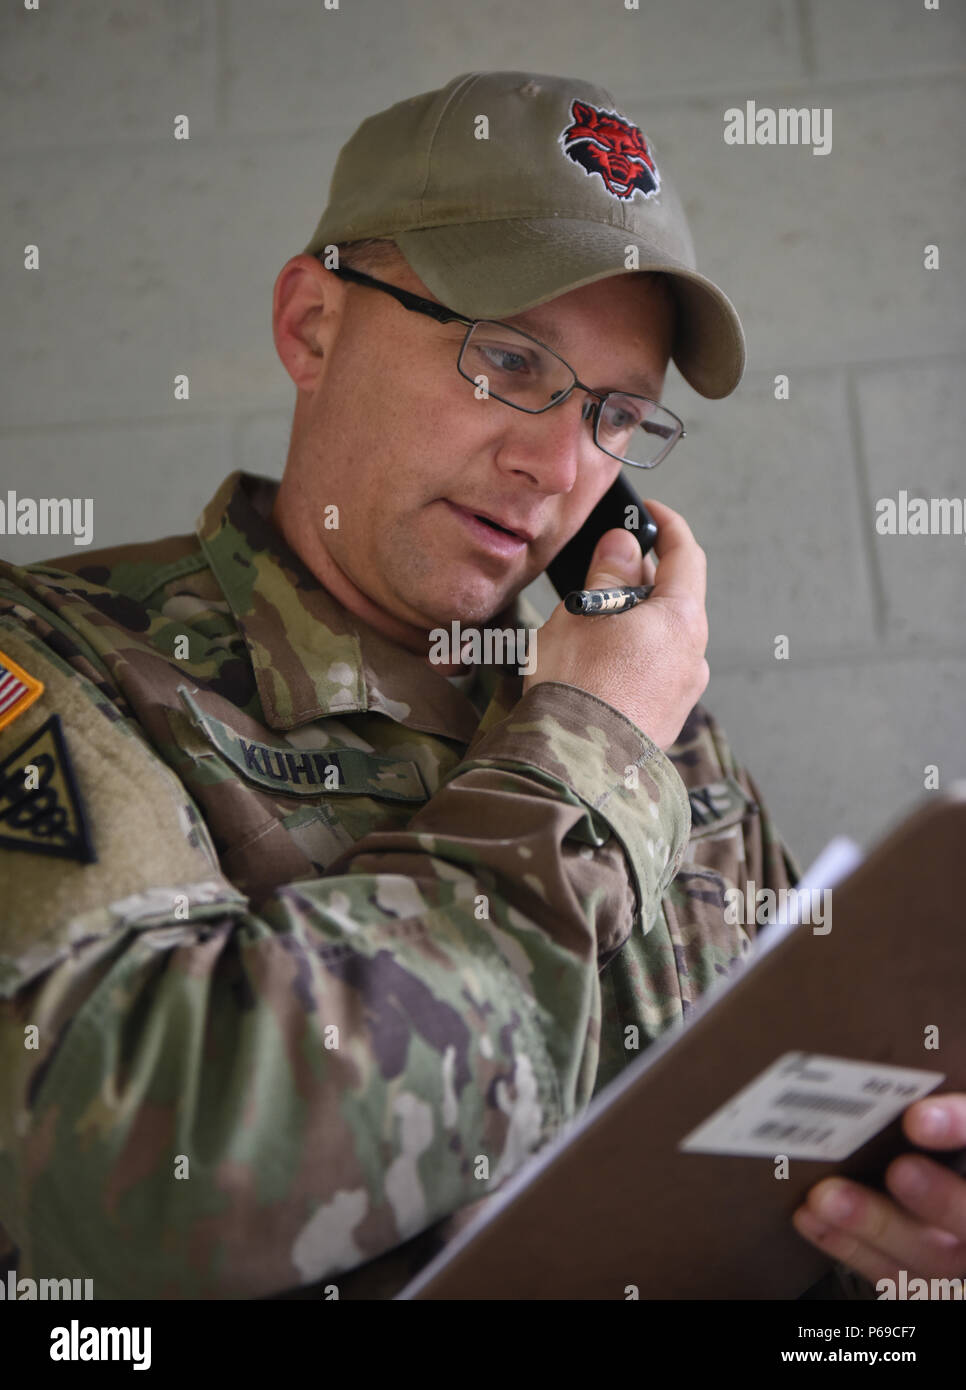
(810, 1106)
(808, 1100)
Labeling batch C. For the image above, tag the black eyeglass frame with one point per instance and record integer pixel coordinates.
(417, 304)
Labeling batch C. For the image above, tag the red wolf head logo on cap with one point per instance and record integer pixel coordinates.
(607, 144)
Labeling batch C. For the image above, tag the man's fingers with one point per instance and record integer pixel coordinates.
(938, 1122)
(682, 567)
(839, 1245)
(856, 1221)
(931, 1192)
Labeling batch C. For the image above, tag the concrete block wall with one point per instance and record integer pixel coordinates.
(158, 257)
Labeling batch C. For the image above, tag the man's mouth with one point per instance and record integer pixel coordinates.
(501, 521)
(490, 534)
(506, 531)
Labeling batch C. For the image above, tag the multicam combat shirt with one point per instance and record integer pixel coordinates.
(303, 949)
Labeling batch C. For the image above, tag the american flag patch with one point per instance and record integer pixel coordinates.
(18, 690)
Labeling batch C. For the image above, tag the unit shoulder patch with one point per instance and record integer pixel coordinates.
(41, 810)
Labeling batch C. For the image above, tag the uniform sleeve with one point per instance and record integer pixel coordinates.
(201, 1100)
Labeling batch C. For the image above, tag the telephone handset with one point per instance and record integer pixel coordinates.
(568, 570)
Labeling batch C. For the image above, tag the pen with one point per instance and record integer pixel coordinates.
(593, 601)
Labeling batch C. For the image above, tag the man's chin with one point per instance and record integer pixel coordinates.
(471, 607)
(469, 615)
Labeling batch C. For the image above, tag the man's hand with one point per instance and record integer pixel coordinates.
(924, 1231)
(649, 661)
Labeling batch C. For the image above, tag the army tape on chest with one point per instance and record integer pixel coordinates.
(306, 772)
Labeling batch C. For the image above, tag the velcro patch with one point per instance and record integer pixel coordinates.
(40, 807)
(18, 690)
(717, 806)
(305, 772)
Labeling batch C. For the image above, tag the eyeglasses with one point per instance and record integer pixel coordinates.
(524, 373)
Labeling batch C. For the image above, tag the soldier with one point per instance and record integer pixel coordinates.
(326, 937)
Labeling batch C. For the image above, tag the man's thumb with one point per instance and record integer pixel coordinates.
(617, 560)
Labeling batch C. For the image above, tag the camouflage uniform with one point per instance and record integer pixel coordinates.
(355, 943)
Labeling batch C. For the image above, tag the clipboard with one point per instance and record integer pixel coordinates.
(613, 1208)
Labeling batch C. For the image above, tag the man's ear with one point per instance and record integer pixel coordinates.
(307, 306)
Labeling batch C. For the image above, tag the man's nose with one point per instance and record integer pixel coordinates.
(550, 446)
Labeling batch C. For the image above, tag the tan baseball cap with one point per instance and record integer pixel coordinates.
(506, 189)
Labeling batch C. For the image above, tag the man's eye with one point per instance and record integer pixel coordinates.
(505, 359)
(622, 419)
